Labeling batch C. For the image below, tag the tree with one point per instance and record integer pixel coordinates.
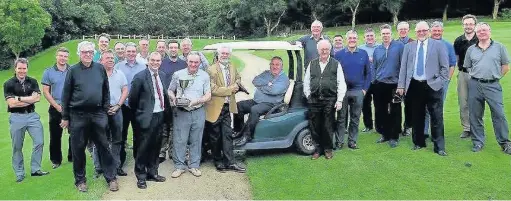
(496, 5)
(353, 5)
(271, 11)
(22, 24)
(393, 6)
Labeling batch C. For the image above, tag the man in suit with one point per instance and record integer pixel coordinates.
(424, 70)
(148, 100)
(223, 80)
(403, 29)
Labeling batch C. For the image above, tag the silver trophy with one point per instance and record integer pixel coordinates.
(184, 83)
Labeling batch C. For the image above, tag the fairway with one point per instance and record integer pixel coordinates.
(375, 171)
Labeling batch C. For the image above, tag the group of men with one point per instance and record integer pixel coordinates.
(107, 90)
(416, 72)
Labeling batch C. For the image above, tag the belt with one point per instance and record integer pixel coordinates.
(184, 110)
(485, 80)
(419, 80)
(25, 111)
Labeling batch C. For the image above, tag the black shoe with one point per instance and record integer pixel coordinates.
(392, 143)
(465, 134)
(242, 141)
(121, 173)
(407, 132)
(366, 130)
(98, 173)
(220, 168)
(417, 147)
(477, 148)
(352, 145)
(141, 184)
(236, 168)
(55, 165)
(156, 178)
(39, 173)
(441, 153)
(339, 146)
(19, 178)
(381, 140)
(161, 159)
(426, 136)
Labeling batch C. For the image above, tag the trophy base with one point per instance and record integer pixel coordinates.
(182, 102)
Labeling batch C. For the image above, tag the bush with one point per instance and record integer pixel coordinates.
(6, 57)
(505, 13)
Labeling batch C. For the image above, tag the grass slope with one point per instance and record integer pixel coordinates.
(378, 172)
(59, 184)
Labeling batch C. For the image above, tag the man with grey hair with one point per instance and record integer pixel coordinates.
(324, 87)
(120, 52)
(437, 30)
(487, 62)
(461, 45)
(186, 48)
(85, 103)
(424, 71)
(143, 55)
(21, 92)
(189, 120)
(309, 42)
(403, 29)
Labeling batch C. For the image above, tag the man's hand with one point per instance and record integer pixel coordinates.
(193, 103)
(299, 44)
(234, 88)
(64, 123)
(59, 108)
(173, 102)
(113, 109)
(338, 105)
(400, 91)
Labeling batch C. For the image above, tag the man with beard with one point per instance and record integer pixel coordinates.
(103, 43)
(186, 48)
(53, 83)
(461, 44)
(120, 52)
(148, 100)
(169, 65)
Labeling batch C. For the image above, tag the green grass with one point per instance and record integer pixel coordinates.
(378, 172)
(59, 184)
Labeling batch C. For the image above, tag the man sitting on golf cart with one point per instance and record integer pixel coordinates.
(271, 86)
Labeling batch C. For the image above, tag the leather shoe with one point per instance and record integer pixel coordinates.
(506, 148)
(441, 153)
(477, 148)
(352, 146)
(407, 132)
(220, 168)
(381, 140)
(141, 184)
(365, 130)
(329, 154)
(339, 146)
(121, 173)
(236, 168)
(55, 166)
(465, 134)
(242, 141)
(19, 178)
(98, 173)
(82, 187)
(393, 143)
(417, 147)
(113, 186)
(161, 159)
(39, 173)
(156, 178)
(315, 156)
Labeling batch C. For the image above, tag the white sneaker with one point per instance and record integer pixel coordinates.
(196, 172)
(177, 173)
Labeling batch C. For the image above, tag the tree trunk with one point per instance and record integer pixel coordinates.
(394, 18)
(354, 12)
(267, 24)
(17, 54)
(444, 17)
(496, 4)
(314, 16)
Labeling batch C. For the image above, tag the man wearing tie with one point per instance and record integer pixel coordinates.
(424, 70)
(148, 99)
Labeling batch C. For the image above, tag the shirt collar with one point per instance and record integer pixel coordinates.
(491, 43)
(320, 37)
(425, 42)
(84, 67)
(57, 68)
(347, 50)
(327, 60)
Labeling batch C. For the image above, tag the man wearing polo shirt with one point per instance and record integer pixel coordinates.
(118, 87)
(310, 42)
(367, 113)
(21, 93)
(461, 44)
(487, 62)
(53, 83)
(386, 65)
(357, 73)
(130, 67)
(169, 65)
(103, 42)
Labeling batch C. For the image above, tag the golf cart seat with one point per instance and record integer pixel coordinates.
(281, 109)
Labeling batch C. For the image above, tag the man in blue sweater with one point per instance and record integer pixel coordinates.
(357, 73)
(271, 86)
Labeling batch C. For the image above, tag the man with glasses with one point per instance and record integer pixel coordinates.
(424, 71)
(461, 44)
(120, 52)
(85, 103)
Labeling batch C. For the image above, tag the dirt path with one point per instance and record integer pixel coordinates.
(212, 185)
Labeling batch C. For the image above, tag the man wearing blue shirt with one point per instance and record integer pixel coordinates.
(103, 43)
(357, 73)
(310, 42)
(386, 65)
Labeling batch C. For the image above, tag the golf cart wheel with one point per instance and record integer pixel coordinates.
(304, 142)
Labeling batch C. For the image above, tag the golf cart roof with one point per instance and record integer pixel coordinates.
(255, 45)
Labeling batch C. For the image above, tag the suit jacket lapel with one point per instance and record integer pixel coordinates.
(150, 82)
(415, 45)
(428, 54)
(220, 72)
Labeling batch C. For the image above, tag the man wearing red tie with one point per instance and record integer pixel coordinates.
(148, 99)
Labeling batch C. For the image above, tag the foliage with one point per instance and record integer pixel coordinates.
(505, 13)
(22, 24)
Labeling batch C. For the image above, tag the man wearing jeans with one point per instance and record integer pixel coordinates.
(357, 73)
(21, 93)
(461, 44)
(53, 83)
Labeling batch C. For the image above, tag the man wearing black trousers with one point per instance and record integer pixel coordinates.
(53, 83)
(148, 99)
(424, 70)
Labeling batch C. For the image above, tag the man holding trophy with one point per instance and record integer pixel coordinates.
(188, 91)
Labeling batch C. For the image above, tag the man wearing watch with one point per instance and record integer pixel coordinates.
(21, 93)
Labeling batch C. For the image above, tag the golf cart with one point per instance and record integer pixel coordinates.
(286, 124)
